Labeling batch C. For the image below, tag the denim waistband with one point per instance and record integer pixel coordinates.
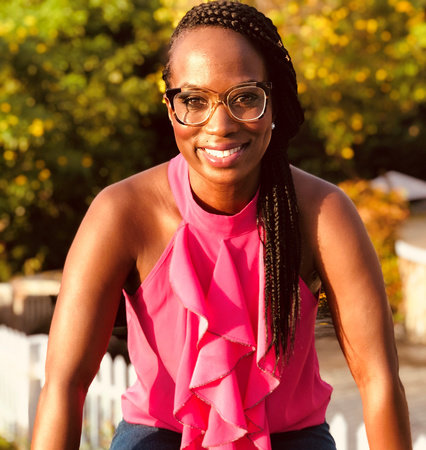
(130, 436)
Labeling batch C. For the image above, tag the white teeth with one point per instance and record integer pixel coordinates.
(220, 153)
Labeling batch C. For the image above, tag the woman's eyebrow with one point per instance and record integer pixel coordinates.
(194, 86)
(189, 85)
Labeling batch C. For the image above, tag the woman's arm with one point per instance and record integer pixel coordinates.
(354, 286)
(96, 268)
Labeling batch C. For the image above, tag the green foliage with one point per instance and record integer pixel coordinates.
(362, 78)
(80, 108)
(80, 102)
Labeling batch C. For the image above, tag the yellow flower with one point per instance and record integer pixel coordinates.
(6, 27)
(5, 107)
(381, 75)
(115, 77)
(404, 7)
(44, 175)
(356, 122)
(30, 21)
(12, 119)
(36, 128)
(347, 153)
(372, 26)
(21, 33)
(41, 48)
(310, 72)
(8, 155)
(362, 75)
(419, 94)
(293, 8)
(339, 14)
(414, 130)
(21, 180)
(322, 72)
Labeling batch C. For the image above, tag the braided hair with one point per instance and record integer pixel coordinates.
(277, 212)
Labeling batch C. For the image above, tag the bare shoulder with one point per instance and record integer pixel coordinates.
(131, 210)
(331, 225)
(322, 205)
(316, 195)
(147, 190)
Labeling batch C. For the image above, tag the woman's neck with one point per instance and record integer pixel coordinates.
(226, 199)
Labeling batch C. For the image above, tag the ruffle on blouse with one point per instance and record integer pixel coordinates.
(209, 402)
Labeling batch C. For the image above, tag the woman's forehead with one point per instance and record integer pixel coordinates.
(206, 54)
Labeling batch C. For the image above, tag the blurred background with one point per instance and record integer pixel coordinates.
(81, 108)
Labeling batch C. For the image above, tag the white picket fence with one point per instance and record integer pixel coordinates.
(22, 361)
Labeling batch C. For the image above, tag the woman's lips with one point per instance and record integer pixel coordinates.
(222, 158)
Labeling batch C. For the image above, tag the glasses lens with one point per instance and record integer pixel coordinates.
(192, 107)
(247, 102)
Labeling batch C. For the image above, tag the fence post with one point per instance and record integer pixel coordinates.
(15, 391)
(37, 349)
(120, 385)
(339, 430)
(420, 443)
(106, 394)
(361, 438)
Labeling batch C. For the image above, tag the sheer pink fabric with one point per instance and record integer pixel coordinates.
(196, 336)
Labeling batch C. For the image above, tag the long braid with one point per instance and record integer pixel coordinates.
(278, 218)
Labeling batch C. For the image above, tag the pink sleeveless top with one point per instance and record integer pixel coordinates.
(196, 337)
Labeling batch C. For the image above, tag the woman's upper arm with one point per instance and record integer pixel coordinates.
(354, 286)
(96, 267)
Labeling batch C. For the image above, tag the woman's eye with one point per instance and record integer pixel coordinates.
(195, 102)
(243, 99)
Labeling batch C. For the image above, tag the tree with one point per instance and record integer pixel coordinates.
(80, 108)
(362, 79)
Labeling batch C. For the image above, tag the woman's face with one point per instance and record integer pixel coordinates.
(223, 151)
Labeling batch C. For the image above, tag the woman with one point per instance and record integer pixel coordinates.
(221, 253)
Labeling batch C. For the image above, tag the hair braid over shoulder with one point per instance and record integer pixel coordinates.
(278, 221)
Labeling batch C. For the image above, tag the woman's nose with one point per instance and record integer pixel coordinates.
(221, 122)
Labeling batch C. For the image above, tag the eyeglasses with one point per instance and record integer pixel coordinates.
(244, 102)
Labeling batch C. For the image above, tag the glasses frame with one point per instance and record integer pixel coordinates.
(266, 86)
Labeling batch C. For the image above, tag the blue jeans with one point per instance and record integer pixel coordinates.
(130, 436)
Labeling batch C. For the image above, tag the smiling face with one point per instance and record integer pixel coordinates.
(223, 154)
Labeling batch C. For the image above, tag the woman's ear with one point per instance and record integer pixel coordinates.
(169, 108)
